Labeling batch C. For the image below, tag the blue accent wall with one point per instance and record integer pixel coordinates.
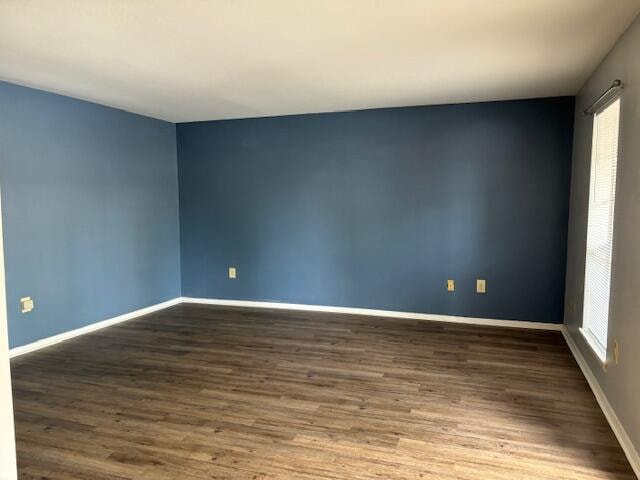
(378, 208)
(90, 211)
(374, 209)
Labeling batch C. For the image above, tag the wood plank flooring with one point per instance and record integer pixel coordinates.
(203, 392)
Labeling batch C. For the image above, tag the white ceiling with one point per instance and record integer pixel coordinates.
(186, 60)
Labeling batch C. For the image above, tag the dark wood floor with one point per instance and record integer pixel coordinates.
(198, 392)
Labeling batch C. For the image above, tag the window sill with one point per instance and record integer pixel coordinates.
(595, 346)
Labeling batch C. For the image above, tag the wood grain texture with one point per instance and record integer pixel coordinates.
(205, 392)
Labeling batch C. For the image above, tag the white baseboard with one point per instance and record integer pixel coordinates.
(45, 342)
(376, 313)
(619, 431)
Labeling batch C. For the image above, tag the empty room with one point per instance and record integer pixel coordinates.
(320, 239)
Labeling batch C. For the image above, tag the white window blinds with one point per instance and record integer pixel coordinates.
(602, 193)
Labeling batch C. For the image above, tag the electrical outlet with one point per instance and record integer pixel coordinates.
(616, 352)
(572, 307)
(451, 285)
(26, 304)
(481, 286)
(232, 272)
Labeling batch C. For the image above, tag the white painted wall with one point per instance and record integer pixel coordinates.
(8, 469)
(620, 383)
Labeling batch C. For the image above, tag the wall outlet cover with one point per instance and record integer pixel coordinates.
(26, 304)
(232, 272)
(451, 285)
(481, 286)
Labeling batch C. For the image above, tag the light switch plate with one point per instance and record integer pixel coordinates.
(451, 285)
(232, 272)
(26, 304)
(481, 286)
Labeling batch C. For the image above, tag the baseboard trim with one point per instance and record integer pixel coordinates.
(61, 337)
(617, 427)
(45, 342)
(376, 313)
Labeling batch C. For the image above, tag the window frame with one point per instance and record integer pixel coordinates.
(601, 351)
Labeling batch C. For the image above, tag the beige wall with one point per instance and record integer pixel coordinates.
(7, 438)
(620, 383)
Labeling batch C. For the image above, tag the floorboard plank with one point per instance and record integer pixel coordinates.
(209, 392)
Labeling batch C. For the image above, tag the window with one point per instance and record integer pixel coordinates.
(602, 194)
